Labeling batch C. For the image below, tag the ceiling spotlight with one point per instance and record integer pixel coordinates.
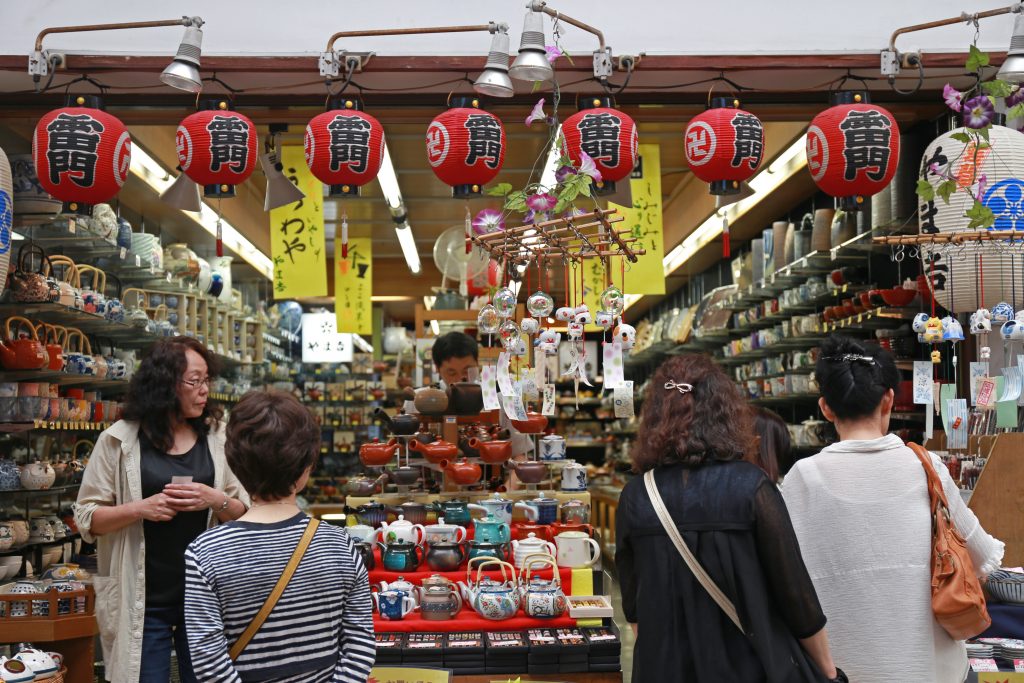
(183, 72)
(1012, 69)
(532, 63)
(494, 79)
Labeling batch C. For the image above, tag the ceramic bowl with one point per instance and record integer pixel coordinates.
(898, 296)
(10, 565)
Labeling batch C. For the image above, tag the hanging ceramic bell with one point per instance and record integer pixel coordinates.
(529, 326)
(604, 320)
(487, 319)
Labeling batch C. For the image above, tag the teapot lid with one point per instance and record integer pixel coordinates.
(401, 521)
(531, 539)
(441, 525)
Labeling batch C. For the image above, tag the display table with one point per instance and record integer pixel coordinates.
(615, 677)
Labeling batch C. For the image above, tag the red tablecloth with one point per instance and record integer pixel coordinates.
(466, 620)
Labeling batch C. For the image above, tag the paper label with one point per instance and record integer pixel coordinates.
(922, 382)
(549, 400)
(488, 388)
(528, 385)
(505, 385)
(623, 398)
(1012, 385)
(986, 393)
(979, 371)
(613, 374)
(956, 424)
(513, 406)
(1018, 665)
(71, 226)
(984, 664)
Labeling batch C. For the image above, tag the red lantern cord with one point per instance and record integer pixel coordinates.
(567, 285)
(344, 235)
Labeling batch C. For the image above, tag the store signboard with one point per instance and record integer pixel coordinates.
(353, 287)
(321, 341)
(297, 244)
(644, 221)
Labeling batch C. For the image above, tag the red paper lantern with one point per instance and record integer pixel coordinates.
(345, 147)
(466, 146)
(724, 145)
(607, 135)
(217, 148)
(81, 155)
(853, 149)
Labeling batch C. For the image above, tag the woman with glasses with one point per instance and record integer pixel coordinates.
(155, 481)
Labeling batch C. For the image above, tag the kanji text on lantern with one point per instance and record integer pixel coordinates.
(749, 135)
(866, 147)
(229, 143)
(350, 143)
(599, 137)
(484, 139)
(72, 148)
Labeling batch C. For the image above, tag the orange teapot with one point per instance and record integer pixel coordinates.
(22, 353)
(462, 472)
(51, 338)
(533, 424)
(492, 452)
(435, 452)
(377, 454)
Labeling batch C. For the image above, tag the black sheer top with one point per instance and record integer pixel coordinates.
(735, 521)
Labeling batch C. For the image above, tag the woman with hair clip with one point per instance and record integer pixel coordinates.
(754, 617)
(155, 481)
(861, 511)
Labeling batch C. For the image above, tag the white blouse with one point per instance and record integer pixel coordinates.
(861, 512)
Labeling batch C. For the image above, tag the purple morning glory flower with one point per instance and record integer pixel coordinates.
(1015, 97)
(564, 172)
(537, 114)
(953, 97)
(541, 202)
(978, 112)
(553, 53)
(588, 167)
(487, 221)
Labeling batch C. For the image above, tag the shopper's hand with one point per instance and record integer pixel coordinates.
(193, 497)
(156, 508)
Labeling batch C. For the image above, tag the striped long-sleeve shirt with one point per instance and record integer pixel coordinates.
(320, 630)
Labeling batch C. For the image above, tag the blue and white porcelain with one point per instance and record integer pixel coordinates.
(10, 475)
(920, 321)
(15, 671)
(952, 330)
(41, 663)
(574, 477)
(552, 447)
(114, 311)
(393, 604)
(1002, 312)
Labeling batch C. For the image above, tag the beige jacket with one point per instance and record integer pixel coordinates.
(112, 477)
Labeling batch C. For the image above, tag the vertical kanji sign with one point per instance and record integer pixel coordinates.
(297, 242)
(353, 287)
(643, 220)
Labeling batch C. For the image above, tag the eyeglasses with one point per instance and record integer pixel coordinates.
(194, 383)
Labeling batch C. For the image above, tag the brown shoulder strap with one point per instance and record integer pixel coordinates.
(275, 594)
(936, 495)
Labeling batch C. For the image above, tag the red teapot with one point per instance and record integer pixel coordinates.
(462, 472)
(436, 452)
(492, 452)
(51, 338)
(377, 454)
(533, 424)
(22, 353)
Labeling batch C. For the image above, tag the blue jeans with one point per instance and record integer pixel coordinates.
(164, 627)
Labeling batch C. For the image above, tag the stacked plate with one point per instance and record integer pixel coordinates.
(980, 651)
(1008, 649)
(148, 247)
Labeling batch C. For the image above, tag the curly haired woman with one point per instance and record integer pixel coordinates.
(695, 432)
(142, 520)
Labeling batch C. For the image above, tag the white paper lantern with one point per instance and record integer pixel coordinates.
(953, 272)
(6, 217)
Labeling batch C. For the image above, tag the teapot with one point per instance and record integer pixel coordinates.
(491, 599)
(552, 447)
(401, 584)
(574, 512)
(541, 598)
(399, 425)
(439, 603)
(529, 471)
(394, 605)
(37, 476)
(436, 452)
(364, 486)
(533, 424)
(22, 353)
(491, 530)
(362, 532)
(461, 472)
(371, 513)
(540, 510)
(402, 530)
(525, 529)
(365, 551)
(531, 545)
(492, 452)
(404, 475)
(377, 454)
(400, 556)
(10, 475)
(444, 533)
(446, 556)
(410, 510)
(431, 400)
(495, 506)
(455, 511)
(40, 663)
(465, 398)
(498, 551)
(574, 477)
(51, 338)
(577, 549)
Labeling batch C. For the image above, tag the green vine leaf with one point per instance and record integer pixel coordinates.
(1015, 112)
(925, 191)
(500, 190)
(516, 201)
(537, 85)
(961, 137)
(983, 132)
(587, 188)
(561, 205)
(946, 189)
(997, 88)
(981, 216)
(976, 59)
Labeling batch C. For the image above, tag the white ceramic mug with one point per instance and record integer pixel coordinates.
(576, 549)
(364, 533)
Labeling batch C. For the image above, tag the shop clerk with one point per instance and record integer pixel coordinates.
(456, 357)
(142, 522)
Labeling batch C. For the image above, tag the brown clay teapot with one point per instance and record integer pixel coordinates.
(431, 401)
(363, 487)
(435, 452)
(22, 353)
(492, 452)
(533, 424)
(529, 472)
(462, 472)
(377, 454)
(465, 398)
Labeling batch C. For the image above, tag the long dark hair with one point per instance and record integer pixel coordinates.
(773, 450)
(711, 422)
(854, 376)
(152, 399)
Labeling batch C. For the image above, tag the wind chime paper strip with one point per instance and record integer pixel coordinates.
(1012, 385)
(513, 406)
(922, 382)
(979, 371)
(947, 393)
(298, 247)
(353, 287)
(613, 373)
(1020, 365)
(622, 396)
(549, 400)
(528, 388)
(505, 385)
(956, 430)
(929, 424)
(1006, 411)
(489, 388)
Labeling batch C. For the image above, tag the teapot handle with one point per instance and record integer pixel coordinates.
(503, 565)
(458, 601)
(469, 566)
(544, 559)
(460, 535)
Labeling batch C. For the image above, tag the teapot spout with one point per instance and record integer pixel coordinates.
(380, 414)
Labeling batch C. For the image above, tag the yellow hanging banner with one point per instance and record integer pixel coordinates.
(297, 244)
(353, 286)
(643, 220)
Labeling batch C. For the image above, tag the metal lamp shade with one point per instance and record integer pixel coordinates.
(532, 63)
(183, 72)
(494, 80)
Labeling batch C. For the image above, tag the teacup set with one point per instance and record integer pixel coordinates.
(29, 401)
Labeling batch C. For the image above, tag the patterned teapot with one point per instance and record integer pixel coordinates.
(10, 475)
(491, 599)
(542, 598)
(37, 476)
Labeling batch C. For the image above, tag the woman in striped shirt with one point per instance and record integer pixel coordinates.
(321, 628)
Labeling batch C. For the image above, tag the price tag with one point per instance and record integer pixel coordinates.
(71, 226)
(984, 665)
(833, 253)
(860, 317)
(549, 400)
(138, 261)
(1018, 665)
(979, 371)
(986, 393)
(622, 396)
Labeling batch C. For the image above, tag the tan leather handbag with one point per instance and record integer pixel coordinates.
(957, 600)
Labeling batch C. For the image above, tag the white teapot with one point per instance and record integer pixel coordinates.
(402, 530)
(15, 671)
(574, 476)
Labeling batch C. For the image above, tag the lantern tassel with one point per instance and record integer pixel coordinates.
(220, 237)
(469, 228)
(726, 250)
(344, 236)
